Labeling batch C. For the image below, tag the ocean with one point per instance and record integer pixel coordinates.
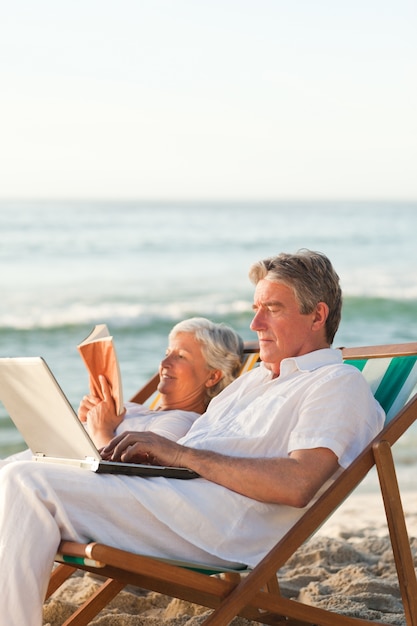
(140, 267)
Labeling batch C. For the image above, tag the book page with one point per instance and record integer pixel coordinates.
(100, 331)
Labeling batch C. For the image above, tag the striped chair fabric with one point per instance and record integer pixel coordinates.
(393, 380)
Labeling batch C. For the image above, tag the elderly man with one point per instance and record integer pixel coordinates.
(265, 449)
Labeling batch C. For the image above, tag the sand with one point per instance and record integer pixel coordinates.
(347, 566)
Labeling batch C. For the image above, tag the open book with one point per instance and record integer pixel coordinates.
(99, 355)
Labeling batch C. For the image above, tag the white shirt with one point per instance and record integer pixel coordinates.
(317, 401)
(171, 424)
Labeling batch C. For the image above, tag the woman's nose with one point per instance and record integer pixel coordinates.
(165, 361)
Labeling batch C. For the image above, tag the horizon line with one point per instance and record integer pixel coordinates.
(205, 200)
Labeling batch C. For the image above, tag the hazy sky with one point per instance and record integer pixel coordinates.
(208, 99)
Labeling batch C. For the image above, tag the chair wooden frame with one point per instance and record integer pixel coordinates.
(256, 594)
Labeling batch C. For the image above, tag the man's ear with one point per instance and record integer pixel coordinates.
(320, 315)
(213, 379)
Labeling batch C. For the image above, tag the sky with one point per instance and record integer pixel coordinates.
(208, 99)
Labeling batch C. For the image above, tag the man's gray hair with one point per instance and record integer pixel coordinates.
(312, 278)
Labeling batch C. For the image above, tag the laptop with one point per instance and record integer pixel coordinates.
(51, 428)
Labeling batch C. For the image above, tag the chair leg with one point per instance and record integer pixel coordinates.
(397, 530)
(59, 576)
(95, 603)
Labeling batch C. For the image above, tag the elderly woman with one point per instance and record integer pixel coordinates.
(202, 358)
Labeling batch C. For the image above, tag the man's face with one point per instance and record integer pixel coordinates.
(282, 330)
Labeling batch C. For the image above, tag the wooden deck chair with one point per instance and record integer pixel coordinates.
(392, 373)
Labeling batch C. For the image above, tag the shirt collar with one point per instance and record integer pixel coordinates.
(310, 361)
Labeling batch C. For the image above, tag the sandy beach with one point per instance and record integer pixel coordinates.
(347, 566)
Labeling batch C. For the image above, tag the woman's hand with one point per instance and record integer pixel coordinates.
(87, 403)
(100, 415)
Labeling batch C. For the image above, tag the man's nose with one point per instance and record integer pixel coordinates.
(257, 321)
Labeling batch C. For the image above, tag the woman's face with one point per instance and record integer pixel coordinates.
(184, 375)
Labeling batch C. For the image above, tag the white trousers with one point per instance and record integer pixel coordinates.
(41, 503)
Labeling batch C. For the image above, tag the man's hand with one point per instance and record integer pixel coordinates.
(143, 447)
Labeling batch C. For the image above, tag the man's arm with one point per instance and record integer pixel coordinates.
(292, 480)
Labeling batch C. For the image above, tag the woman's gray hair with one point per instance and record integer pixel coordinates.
(222, 348)
(312, 278)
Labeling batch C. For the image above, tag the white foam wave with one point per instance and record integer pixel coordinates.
(118, 314)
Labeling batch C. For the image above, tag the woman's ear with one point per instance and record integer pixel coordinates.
(214, 377)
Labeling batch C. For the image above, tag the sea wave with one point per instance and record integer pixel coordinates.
(118, 313)
(128, 314)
